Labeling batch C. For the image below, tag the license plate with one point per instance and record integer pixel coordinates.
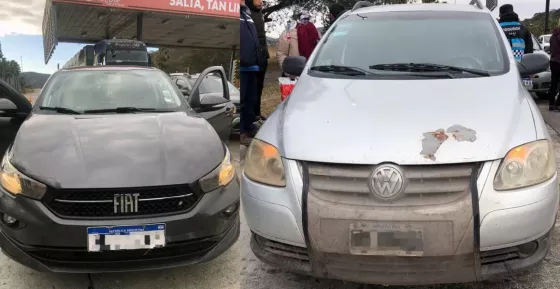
(126, 237)
(386, 239)
(528, 83)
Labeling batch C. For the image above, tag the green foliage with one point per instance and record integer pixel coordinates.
(536, 23)
(173, 60)
(8, 68)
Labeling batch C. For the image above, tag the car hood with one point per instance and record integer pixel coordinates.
(114, 151)
(403, 122)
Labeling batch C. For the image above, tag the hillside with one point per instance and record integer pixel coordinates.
(34, 80)
(536, 23)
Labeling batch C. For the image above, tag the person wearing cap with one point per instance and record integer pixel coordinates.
(249, 59)
(518, 36)
(335, 11)
(307, 35)
(256, 14)
(554, 68)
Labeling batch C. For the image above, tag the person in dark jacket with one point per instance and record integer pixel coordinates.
(519, 37)
(249, 59)
(554, 69)
(335, 11)
(256, 14)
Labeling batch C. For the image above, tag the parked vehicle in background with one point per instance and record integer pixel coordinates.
(540, 82)
(113, 170)
(441, 169)
(544, 40)
(112, 52)
(211, 85)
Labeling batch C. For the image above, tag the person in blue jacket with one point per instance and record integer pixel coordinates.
(519, 37)
(250, 61)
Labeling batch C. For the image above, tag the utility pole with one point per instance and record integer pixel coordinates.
(546, 12)
(21, 63)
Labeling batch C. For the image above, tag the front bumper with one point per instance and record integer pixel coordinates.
(507, 220)
(44, 242)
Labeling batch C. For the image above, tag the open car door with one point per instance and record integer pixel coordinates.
(14, 109)
(216, 108)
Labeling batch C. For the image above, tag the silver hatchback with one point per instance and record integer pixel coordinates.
(399, 159)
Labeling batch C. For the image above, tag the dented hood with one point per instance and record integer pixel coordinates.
(404, 121)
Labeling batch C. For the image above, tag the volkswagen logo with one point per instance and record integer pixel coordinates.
(387, 182)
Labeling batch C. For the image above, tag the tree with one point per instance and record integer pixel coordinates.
(274, 12)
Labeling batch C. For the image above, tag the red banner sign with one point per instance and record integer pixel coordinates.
(217, 8)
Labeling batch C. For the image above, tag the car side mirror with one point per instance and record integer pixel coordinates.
(210, 102)
(185, 92)
(194, 95)
(7, 105)
(532, 63)
(293, 65)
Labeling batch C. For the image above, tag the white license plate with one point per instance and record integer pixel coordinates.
(126, 237)
(386, 239)
(528, 83)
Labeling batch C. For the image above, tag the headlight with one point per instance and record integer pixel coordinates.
(220, 176)
(16, 183)
(263, 164)
(526, 165)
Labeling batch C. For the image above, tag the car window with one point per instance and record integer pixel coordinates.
(536, 44)
(210, 84)
(546, 38)
(415, 37)
(81, 90)
(182, 84)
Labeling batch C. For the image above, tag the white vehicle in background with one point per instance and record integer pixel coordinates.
(544, 40)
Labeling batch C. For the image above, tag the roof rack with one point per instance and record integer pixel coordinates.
(362, 4)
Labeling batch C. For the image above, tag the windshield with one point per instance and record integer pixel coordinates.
(126, 56)
(84, 90)
(458, 39)
(212, 84)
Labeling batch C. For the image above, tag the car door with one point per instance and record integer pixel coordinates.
(14, 108)
(215, 107)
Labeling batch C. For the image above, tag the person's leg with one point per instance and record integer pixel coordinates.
(553, 90)
(260, 85)
(248, 89)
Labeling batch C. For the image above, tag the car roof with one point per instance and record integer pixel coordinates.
(421, 7)
(108, 67)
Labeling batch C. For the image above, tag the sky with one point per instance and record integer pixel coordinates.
(21, 39)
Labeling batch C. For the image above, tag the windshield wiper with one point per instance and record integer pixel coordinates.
(58, 109)
(418, 67)
(124, 109)
(341, 69)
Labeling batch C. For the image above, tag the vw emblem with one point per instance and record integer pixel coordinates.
(386, 182)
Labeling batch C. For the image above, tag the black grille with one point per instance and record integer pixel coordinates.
(82, 255)
(90, 203)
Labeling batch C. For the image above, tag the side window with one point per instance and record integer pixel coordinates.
(536, 44)
(182, 84)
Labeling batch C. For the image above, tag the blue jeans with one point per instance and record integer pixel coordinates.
(249, 100)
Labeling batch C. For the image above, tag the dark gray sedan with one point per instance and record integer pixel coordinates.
(113, 170)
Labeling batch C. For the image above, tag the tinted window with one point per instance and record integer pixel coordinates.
(98, 89)
(462, 39)
(124, 56)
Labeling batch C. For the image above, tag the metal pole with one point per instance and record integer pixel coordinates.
(546, 15)
(21, 63)
(231, 66)
(139, 24)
